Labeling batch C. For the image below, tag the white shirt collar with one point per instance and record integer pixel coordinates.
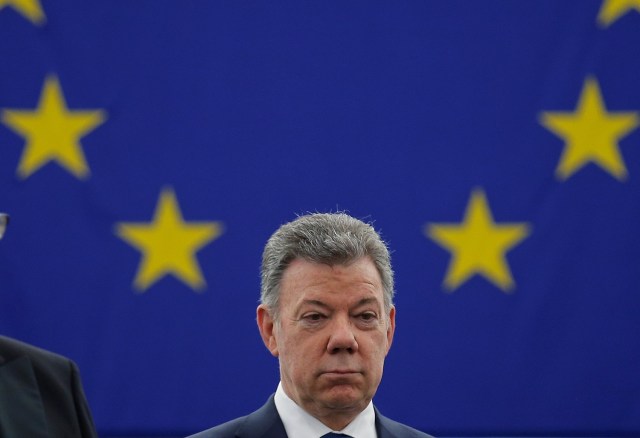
(300, 424)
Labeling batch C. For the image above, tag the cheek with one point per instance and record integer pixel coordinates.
(377, 348)
(298, 352)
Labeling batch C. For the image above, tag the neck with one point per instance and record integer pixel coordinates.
(336, 420)
(335, 416)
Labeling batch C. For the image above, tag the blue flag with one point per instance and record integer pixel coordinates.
(150, 148)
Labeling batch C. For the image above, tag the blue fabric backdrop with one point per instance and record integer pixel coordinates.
(149, 148)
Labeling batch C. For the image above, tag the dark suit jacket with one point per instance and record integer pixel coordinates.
(40, 394)
(266, 423)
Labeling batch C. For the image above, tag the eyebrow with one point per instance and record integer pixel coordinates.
(314, 303)
(362, 302)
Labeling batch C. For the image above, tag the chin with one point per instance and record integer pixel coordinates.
(344, 398)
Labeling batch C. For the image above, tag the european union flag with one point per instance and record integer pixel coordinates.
(149, 149)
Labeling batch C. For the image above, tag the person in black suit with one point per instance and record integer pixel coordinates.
(327, 314)
(41, 393)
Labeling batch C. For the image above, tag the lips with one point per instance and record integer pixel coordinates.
(341, 372)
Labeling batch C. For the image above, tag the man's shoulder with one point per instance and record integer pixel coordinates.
(265, 422)
(390, 428)
(227, 429)
(11, 349)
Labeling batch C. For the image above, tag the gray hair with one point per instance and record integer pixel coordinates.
(328, 238)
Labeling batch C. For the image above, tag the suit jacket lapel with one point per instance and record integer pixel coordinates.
(381, 428)
(21, 409)
(263, 423)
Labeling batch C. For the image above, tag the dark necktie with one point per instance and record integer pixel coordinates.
(335, 435)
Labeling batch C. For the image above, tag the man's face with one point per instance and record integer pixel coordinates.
(331, 337)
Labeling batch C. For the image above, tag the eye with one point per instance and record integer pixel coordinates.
(368, 317)
(313, 317)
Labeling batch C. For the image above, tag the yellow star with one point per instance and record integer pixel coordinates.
(591, 134)
(31, 9)
(168, 244)
(478, 245)
(52, 132)
(611, 10)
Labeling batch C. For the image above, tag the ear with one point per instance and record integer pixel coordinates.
(266, 325)
(391, 327)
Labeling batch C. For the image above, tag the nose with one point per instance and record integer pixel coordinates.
(342, 337)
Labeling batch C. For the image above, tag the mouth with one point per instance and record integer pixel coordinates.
(340, 372)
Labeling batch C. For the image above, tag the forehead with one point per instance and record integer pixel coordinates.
(304, 280)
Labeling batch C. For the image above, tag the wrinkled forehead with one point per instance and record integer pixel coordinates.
(349, 283)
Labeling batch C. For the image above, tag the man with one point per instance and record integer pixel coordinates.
(327, 314)
(40, 392)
